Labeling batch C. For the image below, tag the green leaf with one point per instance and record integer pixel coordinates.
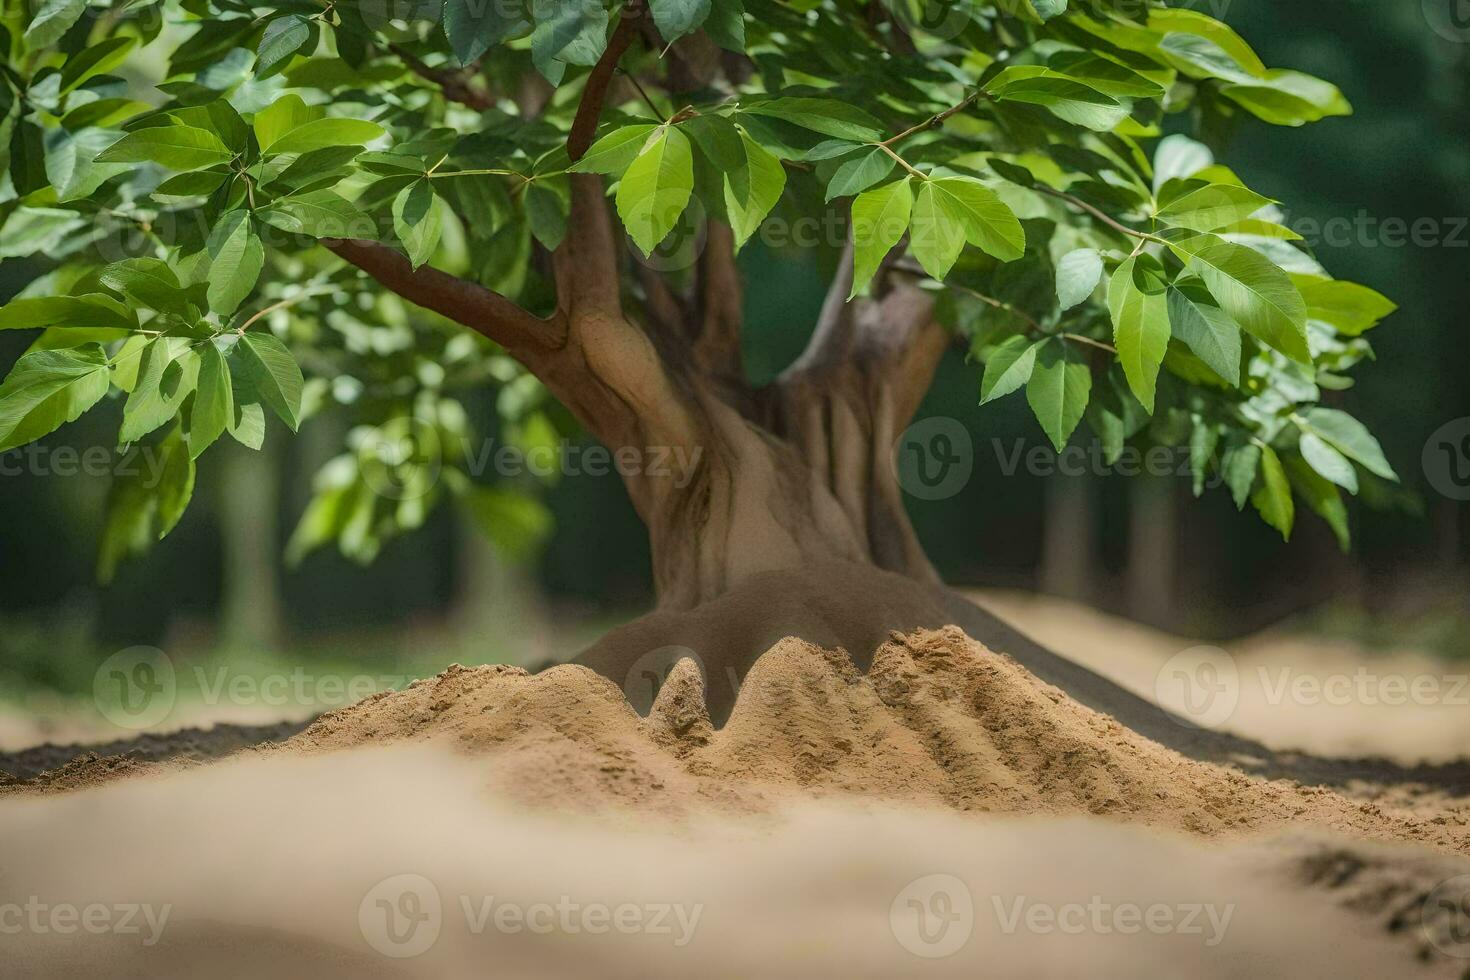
(321, 133)
(675, 18)
(656, 188)
(547, 211)
(214, 402)
(167, 375)
(282, 116)
(1239, 465)
(1203, 58)
(1047, 9)
(1115, 414)
(1140, 312)
(1178, 158)
(1203, 206)
(1256, 294)
(990, 225)
(1059, 389)
(1272, 496)
(1350, 308)
(146, 501)
(567, 32)
(53, 19)
(516, 523)
(100, 57)
(236, 258)
(175, 147)
(1067, 99)
(1107, 76)
(879, 219)
(272, 373)
(1324, 498)
(1349, 437)
(1204, 438)
(612, 154)
(764, 183)
(1328, 462)
(196, 183)
(319, 214)
(1197, 320)
(861, 172)
(474, 26)
(1078, 274)
(717, 138)
(283, 37)
(94, 311)
(47, 389)
(247, 427)
(1288, 98)
(71, 162)
(175, 481)
(1008, 368)
(726, 24)
(148, 282)
(826, 116)
(936, 234)
(416, 221)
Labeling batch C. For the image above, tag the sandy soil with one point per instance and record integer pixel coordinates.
(1327, 697)
(947, 813)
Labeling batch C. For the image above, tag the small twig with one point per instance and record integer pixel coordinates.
(1111, 222)
(934, 120)
(902, 162)
(639, 86)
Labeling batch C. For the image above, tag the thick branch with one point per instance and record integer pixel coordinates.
(460, 300)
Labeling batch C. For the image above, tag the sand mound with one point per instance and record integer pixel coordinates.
(938, 721)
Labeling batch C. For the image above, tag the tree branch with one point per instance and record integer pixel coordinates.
(589, 110)
(721, 299)
(454, 83)
(460, 300)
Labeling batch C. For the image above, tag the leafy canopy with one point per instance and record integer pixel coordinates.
(171, 168)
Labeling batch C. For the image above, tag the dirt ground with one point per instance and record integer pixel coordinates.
(950, 813)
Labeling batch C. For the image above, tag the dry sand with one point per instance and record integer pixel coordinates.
(1328, 697)
(802, 839)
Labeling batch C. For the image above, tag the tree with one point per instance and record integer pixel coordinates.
(309, 202)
